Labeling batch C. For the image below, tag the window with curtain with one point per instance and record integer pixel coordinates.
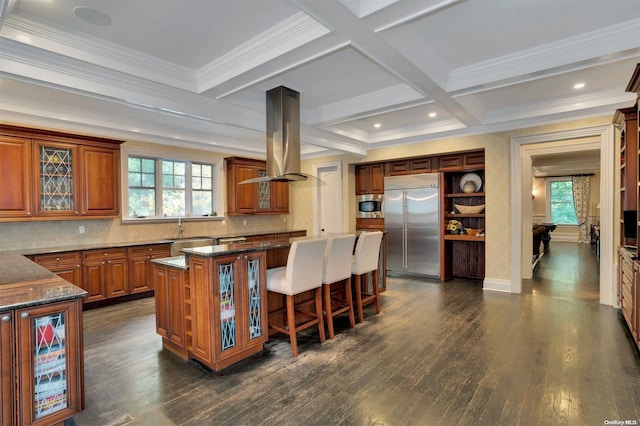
(562, 209)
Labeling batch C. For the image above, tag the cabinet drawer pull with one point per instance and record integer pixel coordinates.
(25, 315)
(5, 318)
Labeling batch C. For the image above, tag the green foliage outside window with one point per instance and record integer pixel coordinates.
(563, 210)
(177, 180)
(142, 186)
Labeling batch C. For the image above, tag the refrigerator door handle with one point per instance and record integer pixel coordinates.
(405, 248)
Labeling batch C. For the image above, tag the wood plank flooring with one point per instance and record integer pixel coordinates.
(437, 354)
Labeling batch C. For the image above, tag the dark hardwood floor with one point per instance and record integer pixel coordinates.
(437, 354)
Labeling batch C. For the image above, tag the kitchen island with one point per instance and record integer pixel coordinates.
(41, 353)
(216, 313)
(212, 303)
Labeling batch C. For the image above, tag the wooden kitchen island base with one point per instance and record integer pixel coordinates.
(215, 309)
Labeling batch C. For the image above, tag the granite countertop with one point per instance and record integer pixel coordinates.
(24, 284)
(62, 249)
(236, 248)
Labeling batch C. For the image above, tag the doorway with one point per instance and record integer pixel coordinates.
(522, 149)
(327, 198)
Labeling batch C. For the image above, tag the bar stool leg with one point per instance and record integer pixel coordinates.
(319, 314)
(349, 297)
(326, 290)
(376, 290)
(291, 324)
(358, 291)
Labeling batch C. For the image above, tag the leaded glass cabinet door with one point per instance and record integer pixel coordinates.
(264, 193)
(48, 354)
(56, 176)
(256, 298)
(227, 303)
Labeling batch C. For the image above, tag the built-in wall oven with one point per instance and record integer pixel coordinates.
(370, 206)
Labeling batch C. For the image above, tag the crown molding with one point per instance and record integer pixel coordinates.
(100, 52)
(294, 32)
(361, 106)
(532, 63)
(54, 71)
(604, 98)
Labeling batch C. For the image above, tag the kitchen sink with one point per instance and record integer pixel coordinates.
(177, 245)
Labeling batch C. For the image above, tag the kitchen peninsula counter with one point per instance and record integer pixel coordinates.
(24, 284)
(40, 319)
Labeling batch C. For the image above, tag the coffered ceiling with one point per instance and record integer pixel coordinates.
(371, 73)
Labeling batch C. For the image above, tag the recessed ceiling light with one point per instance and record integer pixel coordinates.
(92, 16)
(377, 125)
(432, 114)
(578, 85)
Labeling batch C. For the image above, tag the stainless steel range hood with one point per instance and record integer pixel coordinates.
(283, 137)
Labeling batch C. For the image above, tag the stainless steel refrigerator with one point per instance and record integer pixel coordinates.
(411, 221)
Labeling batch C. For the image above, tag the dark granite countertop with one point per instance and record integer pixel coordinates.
(236, 248)
(62, 249)
(24, 284)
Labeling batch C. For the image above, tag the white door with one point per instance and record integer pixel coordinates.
(328, 199)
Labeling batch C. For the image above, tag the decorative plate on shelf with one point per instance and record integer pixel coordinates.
(472, 177)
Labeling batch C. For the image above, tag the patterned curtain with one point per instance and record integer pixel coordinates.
(581, 202)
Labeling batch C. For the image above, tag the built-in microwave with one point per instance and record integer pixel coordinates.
(370, 206)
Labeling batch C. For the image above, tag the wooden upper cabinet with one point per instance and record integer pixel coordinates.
(100, 183)
(16, 177)
(409, 166)
(370, 179)
(253, 198)
(462, 161)
(50, 175)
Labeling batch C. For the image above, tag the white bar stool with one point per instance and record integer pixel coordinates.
(365, 261)
(302, 273)
(337, 268)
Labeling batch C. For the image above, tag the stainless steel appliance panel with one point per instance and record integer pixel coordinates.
(421, 218)
(394, 227)
(412, 224)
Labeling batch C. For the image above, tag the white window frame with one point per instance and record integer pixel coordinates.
(548, 207)
(159, 154)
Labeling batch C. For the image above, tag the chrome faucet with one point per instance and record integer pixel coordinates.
(180, 229)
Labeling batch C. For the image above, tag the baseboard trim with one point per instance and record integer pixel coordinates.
(496, 284)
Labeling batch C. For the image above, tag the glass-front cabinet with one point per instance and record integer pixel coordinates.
(48, 359)
(56, 177)
(227, 309)
(240, 285)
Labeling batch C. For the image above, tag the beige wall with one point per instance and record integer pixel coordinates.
(497, 183)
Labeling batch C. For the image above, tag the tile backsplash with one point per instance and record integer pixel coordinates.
(27, 235)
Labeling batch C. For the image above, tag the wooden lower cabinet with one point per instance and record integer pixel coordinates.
(41, 359)
(228, 303)
(7, 371)
(141, 277)
(67, 266)
(105, 273)
(628, 292)
(170, 293)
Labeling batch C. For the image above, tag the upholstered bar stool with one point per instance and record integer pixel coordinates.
(365, 262)
(302, 273)
(337, 269)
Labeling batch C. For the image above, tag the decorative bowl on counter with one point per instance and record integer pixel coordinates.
(469, 209)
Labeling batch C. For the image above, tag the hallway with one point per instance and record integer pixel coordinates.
(568, 270)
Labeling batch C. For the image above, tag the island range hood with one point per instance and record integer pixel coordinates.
(283, 138)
